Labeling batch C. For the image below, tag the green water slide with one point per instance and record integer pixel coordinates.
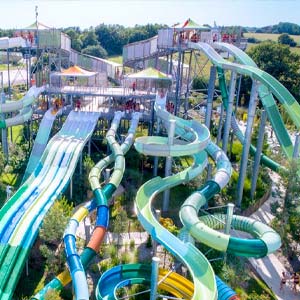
(194, 137)
(22, 215)
(23, 107)
(268, 103)
(268, 87)
(40, 141)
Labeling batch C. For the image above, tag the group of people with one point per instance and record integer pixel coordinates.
(295, 278)
(28, 36)
(229, 38)
(132, 105)
(170, 107)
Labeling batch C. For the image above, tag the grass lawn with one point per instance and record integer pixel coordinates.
(117, 59)
(269, 36)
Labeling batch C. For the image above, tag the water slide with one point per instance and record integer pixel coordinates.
(268, 103)
(77, 263)
(41, 140)
(21, 216)
(23, 107)
(268, 87)
(203, 229)
(124, 275)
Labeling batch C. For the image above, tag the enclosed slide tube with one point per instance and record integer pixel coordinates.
(267, 240)
(23, 106)
(193, 133)
(124, 275)
(102, 212)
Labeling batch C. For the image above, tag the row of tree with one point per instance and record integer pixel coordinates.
(106, 40)
(282, 27)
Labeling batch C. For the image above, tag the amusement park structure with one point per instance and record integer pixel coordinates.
(62, 81)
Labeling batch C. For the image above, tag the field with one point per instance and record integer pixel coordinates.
(270, 36)
(273, 37)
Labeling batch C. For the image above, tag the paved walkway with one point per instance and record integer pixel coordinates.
(270, 268)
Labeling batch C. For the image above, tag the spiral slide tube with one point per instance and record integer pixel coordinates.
(23, 106)
(102, 212)
(193, 132)
(41, 189)
(40, 141)
(124, 275)
(268, 102)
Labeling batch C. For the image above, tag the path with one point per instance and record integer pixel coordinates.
(269, 267)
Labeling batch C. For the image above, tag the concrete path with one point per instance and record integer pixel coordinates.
(270, 268)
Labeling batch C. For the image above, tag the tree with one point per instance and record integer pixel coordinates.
(95, 50)
(89, 38)
(285, 39)
(120, 223)
(280, 62)
(56, 221)
(51, 235)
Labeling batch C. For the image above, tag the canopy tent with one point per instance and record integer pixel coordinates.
(37, 25)
(74, 76)
(76, 71)
(149, 79)
(190, 24)
(151, 74)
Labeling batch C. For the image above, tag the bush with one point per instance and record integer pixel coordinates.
(132, 245)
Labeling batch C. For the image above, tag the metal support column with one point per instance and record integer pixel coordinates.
(178, 83)
(247, 141)
(89, 146)
(229, 215)
(229, 111)
(259, 147)
(186, 102)
(71, 188)
(296, 146)
(154, 278)
(168, 165)
(4, 131)
(210, 95)
(220, 126)
(154, 242)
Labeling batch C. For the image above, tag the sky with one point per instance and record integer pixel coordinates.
(86, 13)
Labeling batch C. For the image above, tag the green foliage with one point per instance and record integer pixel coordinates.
(285, 39)
(95, 50)
(89, 38)
(55, 221)
(52, 295)
(236, 152)
(294, 221)
(149, 242)
(131, 245)
(233, 272)
(280, 62)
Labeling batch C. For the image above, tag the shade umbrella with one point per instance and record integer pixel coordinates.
(151, 77)
(151, 74)
(190, 24)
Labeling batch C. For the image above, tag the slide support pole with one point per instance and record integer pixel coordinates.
(259, 147)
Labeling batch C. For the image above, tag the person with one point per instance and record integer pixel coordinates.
(296, 281)
(283, 280)
(134, 86)
(78, 104)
